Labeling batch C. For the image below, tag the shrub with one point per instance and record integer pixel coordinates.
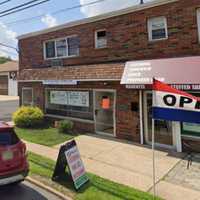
(65, 126)
(28, 117)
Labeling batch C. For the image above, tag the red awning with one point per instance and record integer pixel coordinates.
(175, 71)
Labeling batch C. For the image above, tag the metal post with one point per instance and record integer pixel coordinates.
(141, 118)
(153, 151)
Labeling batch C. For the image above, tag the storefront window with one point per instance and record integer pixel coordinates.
(163, 128)
(77, 104)
(191, 129)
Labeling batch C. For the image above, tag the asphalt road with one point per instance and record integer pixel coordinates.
(25, 191)
(8, 105)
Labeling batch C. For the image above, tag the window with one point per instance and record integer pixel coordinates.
(8, 138)
(73, 46)
(191, 129)
(60, 48)
(157, 28)
(50, 49)
(27, 96)
(70, 103)
(100, 39)
(198, 22)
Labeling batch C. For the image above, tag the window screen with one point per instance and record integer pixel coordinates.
(50, 49)
(191, 129)
(73, 46)
(101, 39)
(198, 22)
(157, 28)
(61, 48)
(65, 47)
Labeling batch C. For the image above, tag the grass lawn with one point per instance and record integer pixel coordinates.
(97, 188)
(46, 136)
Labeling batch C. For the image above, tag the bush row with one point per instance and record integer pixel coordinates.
(33, 117)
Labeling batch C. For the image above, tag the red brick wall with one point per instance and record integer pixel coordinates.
(127, 121)
(127, 37)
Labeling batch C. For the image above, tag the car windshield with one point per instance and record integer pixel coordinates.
(8, 138)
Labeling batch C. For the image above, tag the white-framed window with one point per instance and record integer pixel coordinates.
(157, 28)
(100, 39)
(61, 48)
(27, 96)
(198, 22)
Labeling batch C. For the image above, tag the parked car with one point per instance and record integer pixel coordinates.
(14, 165)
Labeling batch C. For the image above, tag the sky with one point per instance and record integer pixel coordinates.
(10, 27)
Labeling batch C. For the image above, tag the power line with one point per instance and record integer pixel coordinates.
(8, 52)
(21, 9)
(9, 46)
(54, 13)
(3, 2)
(19, 6)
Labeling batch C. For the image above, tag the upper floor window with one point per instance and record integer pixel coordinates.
(157, 28)
(198, 22)
(61, 48)
(100, 39)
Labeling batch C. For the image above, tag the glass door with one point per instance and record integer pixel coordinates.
(104, 112)
(163, 128)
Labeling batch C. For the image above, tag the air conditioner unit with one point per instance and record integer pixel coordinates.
(57, 63)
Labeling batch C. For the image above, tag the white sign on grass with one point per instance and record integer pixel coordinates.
(76, 166)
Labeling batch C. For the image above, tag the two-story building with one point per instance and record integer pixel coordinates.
(74, 70)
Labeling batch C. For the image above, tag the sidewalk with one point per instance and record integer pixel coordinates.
(8, 98)
(125, 163)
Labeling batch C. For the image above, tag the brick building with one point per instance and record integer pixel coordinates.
(74, 70)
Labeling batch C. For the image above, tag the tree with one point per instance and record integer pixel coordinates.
(4, 59)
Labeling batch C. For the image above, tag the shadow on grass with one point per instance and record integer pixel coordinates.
(103, 186)
(66, 181)
(44, 125)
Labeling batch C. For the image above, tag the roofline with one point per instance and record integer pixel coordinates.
(99, 17)
(5, 67)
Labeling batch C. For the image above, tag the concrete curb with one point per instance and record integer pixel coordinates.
(49, 189)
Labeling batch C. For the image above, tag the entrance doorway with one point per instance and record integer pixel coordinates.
(163, 129)
(104, 116)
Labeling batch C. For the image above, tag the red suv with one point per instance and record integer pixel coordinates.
(13, 157)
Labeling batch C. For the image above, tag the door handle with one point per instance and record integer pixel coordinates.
(96, 112)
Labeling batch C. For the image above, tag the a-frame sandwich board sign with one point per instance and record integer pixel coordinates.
(69, 156)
